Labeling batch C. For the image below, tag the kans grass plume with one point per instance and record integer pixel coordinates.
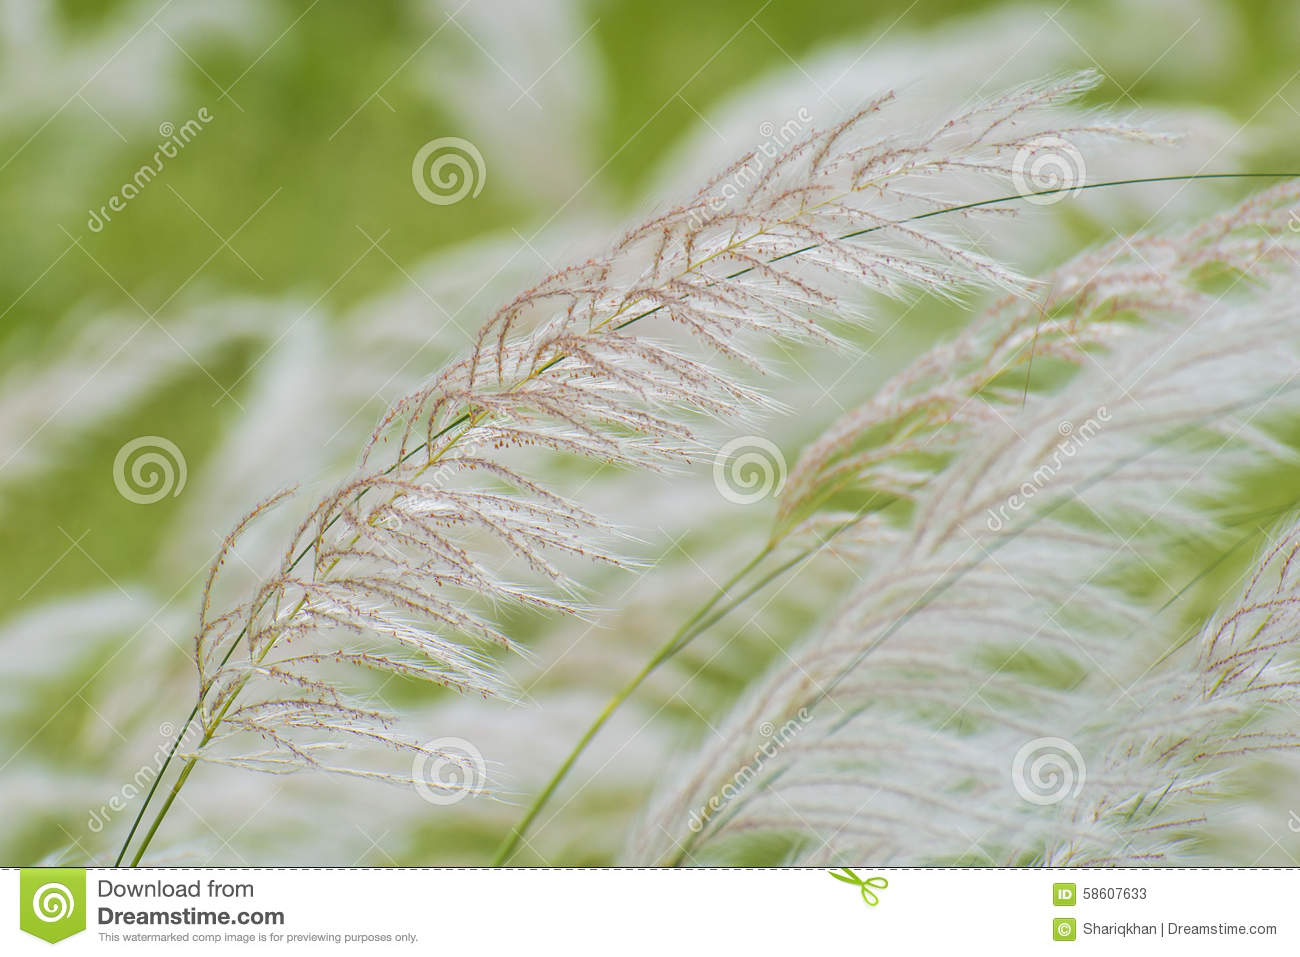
(404, 568)
(993, 690)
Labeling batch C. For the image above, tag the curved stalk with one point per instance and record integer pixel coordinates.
(678, 641)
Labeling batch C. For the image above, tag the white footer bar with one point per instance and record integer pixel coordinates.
(650, 911)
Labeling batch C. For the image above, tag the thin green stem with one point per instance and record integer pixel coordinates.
(670, 648)
(701, 621)
(162, 811)
(194, 713)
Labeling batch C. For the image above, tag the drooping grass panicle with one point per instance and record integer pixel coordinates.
(891, 445)
(996, 616)
(1187, 730)
(401, 568)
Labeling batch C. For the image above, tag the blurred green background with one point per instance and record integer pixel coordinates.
(297, 122)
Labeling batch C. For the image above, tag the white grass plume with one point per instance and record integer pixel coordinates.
(969, 639)
(1187, 731)
(892, 445)
(399, 569)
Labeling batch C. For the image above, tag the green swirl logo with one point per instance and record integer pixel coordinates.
(52, 902)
